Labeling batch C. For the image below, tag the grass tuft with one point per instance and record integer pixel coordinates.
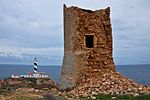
(119, 97)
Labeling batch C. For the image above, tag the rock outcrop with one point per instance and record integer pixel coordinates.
(11, 89)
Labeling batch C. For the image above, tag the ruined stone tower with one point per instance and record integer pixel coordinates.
(87, 45)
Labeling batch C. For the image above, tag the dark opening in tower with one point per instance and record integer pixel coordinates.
(89, 41)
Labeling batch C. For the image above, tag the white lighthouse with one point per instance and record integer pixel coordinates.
(35, 65)
(34, 74)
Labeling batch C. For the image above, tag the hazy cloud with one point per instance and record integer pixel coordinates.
(31, 28)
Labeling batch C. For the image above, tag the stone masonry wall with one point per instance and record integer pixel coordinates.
(80, 62)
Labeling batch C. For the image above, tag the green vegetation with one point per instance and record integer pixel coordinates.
(123, 97)
(24, 98)
(33, 80)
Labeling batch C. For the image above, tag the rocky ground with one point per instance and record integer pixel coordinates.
(28, 89)
(46, 89)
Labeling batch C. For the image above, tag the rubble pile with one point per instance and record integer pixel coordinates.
(109, 83)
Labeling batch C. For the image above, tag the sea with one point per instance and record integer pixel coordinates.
(138, 73)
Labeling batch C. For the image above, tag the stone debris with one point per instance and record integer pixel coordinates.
(109, 83)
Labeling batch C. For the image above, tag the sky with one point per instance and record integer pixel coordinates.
(34, 28)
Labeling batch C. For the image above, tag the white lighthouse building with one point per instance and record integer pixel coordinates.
(35, 65)
(34, 74)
